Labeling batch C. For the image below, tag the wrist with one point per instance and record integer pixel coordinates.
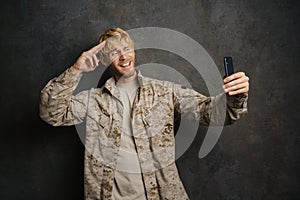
(74, 69)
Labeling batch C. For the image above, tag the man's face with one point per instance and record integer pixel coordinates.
(122, 60)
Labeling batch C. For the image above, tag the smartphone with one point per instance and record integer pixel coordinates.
(228, 65)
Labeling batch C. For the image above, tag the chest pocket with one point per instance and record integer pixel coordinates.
(157, 118)
(104, 120)
(105, 125)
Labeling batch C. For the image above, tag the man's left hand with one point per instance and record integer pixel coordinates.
(237, 83)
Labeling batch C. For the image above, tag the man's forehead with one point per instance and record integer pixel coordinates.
(119, 45)
(117, 39)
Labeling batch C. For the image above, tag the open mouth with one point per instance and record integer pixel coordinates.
(126, 65)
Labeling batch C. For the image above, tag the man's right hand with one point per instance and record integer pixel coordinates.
(88, 60)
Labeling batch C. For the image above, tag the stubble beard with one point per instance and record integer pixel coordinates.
(127, 75)
(131, 73)
(121, 75)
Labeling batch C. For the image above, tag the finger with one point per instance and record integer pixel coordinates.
(97, 48)
(240, 91)
(95, 60)
(240, 80)
(89, 61)
(234, 76)
(85, 55)
(237, 87)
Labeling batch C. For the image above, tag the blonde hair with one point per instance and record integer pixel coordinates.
(112, 37)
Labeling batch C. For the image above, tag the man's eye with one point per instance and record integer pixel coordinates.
(114, 53)
(127, 49)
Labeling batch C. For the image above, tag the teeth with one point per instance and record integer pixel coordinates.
(125, 65)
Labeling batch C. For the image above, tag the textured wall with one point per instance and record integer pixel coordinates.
(257, 158)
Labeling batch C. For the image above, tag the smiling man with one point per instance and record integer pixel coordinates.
(130, 145)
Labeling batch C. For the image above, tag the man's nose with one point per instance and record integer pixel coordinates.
(123, 55)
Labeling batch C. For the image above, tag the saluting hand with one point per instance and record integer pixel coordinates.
(88, 60)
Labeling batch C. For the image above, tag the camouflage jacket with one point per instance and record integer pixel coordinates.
(153, 128)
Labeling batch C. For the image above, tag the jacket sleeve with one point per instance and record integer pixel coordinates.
(217, 110)
(58, 105)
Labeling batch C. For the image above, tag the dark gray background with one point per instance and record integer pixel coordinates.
(256, 158)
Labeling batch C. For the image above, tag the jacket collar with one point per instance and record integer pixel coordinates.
(110, 84)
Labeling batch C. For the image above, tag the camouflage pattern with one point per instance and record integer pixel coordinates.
(153, 128)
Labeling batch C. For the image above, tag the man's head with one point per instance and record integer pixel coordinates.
(118, 52)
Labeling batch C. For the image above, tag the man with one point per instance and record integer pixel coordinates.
(129, 121)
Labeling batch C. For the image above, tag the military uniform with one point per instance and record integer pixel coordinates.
(153, 128)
